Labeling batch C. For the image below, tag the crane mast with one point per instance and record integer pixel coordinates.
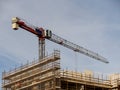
(47, 34)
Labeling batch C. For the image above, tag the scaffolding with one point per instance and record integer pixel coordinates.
(115, 81)
(46, 74)
(37, 75)
(81, 81)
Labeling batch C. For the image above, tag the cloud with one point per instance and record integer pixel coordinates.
(91, 24)
(7, 62)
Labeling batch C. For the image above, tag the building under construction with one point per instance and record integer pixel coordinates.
(46, 74)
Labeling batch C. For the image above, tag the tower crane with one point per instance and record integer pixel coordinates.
(43, 34)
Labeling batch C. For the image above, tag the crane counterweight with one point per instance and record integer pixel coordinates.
(15, 26)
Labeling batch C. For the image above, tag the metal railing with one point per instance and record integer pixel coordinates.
(84, 77)
(56, 54)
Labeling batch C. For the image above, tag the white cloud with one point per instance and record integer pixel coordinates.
(90, 24)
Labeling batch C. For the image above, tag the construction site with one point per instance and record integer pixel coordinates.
(46, 73)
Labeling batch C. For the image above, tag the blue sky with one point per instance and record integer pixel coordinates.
(93, 24)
